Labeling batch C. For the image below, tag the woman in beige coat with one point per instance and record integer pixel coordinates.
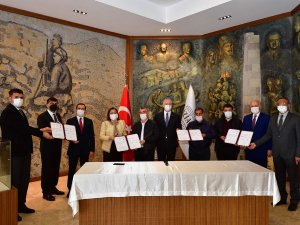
(110, 129)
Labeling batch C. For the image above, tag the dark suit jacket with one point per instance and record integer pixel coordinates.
(16, 129)
(285, 141)
(44, 120)
(170, 131)
(86, 138)
(151, 133)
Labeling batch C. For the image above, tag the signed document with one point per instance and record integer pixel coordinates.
(245, 138)
(183, 135)
(57, 130)
(70, 132)
(121, 144)
(232, 136)
(196, 135)
(133, 141)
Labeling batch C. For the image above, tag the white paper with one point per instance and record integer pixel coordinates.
(133, 141)
(245, 138)
(183, 135)
(232, 136)
(57, 130)
(70, 132)
(196, 135)
(121, 144)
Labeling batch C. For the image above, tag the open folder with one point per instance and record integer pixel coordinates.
(125, 143)
(189, 135)
(239, 137)
(63, 131)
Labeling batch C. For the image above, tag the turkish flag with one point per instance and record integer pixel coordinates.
(125, 114)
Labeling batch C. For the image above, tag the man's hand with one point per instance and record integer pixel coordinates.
(47, 136)
(75, 142)
(112, 137)
(92, 155)
(46, 129)
(297, 159)
(203, 135)
(222, 138)
(252, 146)
(269, 153)
(142, 142)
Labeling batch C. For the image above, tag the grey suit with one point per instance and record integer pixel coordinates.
(285, 147)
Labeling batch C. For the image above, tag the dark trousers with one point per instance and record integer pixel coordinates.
(20, 170)
(113, 155)
(50, 169)
(166, 150)
(281, 167)
(257, 156)
(73, 160)
(199, 154)
(143, 154)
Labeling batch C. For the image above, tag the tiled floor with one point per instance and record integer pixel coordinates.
(59, 212)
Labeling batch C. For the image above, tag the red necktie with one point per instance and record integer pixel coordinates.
(253, 122)
(80, 124)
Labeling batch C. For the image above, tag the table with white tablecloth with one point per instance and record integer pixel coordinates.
(190, 179)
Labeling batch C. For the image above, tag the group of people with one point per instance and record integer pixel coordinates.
(278, 136)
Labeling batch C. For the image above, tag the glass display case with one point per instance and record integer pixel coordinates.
(5, 165)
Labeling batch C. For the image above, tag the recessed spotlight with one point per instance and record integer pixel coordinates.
(165, 30)
(79, 12)
(225, 17)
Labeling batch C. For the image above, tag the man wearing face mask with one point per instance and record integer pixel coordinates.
(167, 123)
(227, 121)
(84, 147)
(284, 129)
(148, 134)
(200, 150)
(15, 127)
(258, 123)
(50, 152)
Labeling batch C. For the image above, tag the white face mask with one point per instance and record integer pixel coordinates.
(80, 112)
(199, 118)
(18, 102)
(143, 116)
(255, 110)
(168, 108)
(113, 116)
(282, 108)
(228, 114)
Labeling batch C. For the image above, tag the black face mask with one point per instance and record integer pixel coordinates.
(53, 107)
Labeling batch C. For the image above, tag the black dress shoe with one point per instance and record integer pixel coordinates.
(55, 191)
(292, 207)
(25, 209)
(68, 194)
(48, 197)
(19, 218)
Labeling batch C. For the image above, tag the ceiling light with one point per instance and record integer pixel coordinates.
(225, 17)
(79, 12)
(164, 30)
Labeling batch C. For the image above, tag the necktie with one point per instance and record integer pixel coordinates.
(167, 119)
(253, 121)
(80, 124)
(280, 122)
(55, 118)
(22, 113)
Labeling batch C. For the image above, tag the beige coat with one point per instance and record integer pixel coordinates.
(107, 130)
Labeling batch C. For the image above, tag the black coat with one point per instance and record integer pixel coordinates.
(16, 129)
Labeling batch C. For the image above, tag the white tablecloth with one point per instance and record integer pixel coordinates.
(180, 178)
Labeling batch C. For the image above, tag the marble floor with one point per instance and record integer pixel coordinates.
(59, 212)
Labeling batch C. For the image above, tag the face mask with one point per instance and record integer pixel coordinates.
(228, 114)
(113, 116)
(80, 112)
(282, 108)
(255, 110)
(168, 108)
(53, 108)
(143, 116)
(18, 102)
(199, 118)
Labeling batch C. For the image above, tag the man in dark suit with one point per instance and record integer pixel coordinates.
(284, 129)
(50, 152)
(148, 134)
(258, 123)
(167, 122)
(84, 147)
(15, 127)
(225, 151)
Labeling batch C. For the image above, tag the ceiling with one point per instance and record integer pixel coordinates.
(147, 17)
